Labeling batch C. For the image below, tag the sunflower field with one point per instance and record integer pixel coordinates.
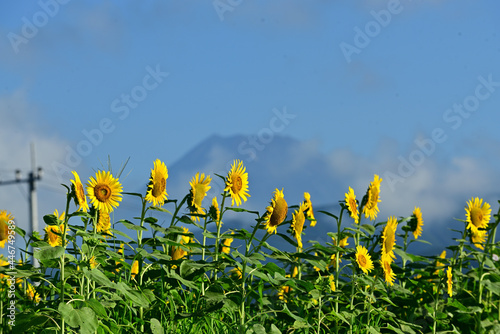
(179, 270)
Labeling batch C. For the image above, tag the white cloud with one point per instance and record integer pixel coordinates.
(22, 126)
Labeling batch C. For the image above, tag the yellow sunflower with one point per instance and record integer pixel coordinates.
(479, 238)
(309, 209)
(104, 191)
(4, 227)
(364, 259)
(389, 275)
(226, 244)
(449, 282)
(352, 205)
(53, 233)
(331, 280)
(417, 222)
(93, 263)
(237, 183)
(276, 212)
(370, 209)
(199, 187)
(80, 197)
(135, 269)
(32, 294)
(439, 264)
(178, 253)
(478, 214)
(215, 212)
(157, 188)
(343, 243)
(389, 239)
(298, 220)
(103, 223)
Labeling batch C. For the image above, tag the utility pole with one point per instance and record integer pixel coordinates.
(34, 175)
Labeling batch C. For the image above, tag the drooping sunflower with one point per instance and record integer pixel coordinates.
(214, 211)
(417, 222)
(385, 263)
(93, 263)
(343, 243)
(276, 212)
(157, 187)
(298, 220)
(200, 185)
(370, 209)
(449, 282)
(4, 227)
(309, 207)
(352, 205)
(478, 238)
(104, 191)
(79, 193)
(104, 223)
(178, 252)
(389, 239)
(53, 233)
(237, 183)
(439, 264)
(364, 259)
(478, 214)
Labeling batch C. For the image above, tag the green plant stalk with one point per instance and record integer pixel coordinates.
(337, 271)
(177, 208)
(319, 314)
(405, 247)
(62, 261)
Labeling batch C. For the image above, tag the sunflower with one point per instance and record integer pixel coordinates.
(119, 263)
(236, 273)
(199, 187)
(276, 212)
(389, 275)
(370, 209)
(309, 207)
(298, 220)
(478, 214)
(214, 211)
(178, 253)
(103, 223)
(364, 259)
(389, 239)
(478, 238)
(4, 227)
(93, 263)
(343, 243)
(79, 193)
(417, 222)
(352, 205)
(237, 183)
(53, 233)
(135, 269)
(226, 245)
(31, 293)
(439, 264)
(449, 281)
(104, 191)
(157, 187)
(331, 280)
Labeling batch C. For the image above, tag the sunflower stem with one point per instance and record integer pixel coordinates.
(62, 260)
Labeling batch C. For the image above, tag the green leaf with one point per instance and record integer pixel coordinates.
(156, 327)
(259, 329)
(133, 194)
(274, 330)
(51, 220)
(368, 228)
(329, 214)
(97, 307)
(157, 208)
(133, 295)
(49, 253)
(131, 226)
(99, 277)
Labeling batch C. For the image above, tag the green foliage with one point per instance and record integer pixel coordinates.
(170, 282)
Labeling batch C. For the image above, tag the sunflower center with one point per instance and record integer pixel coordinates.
(102, 192)
(362, 260)
(237, 184)
(159, 186)
(279, 212)
(476, 216)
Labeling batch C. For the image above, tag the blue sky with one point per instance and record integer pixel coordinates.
(222, 67)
